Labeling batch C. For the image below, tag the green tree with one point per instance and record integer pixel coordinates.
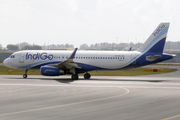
(27, 47)
(36, 47)
(12, 47)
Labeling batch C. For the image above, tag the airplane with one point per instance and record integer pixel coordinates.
(56, 63)
(130, 49)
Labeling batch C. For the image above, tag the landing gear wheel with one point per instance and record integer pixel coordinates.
(74, 77)
(25, 73)
(25, 76)
(87, 76)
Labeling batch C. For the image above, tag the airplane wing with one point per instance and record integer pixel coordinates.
(68, 64)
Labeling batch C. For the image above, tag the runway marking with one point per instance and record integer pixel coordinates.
(127, 91)
(73, 85)
(172, 117)
(134, 82)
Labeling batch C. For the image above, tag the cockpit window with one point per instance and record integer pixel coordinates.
(12, 56)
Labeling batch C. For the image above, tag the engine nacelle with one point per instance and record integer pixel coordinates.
(51, 71)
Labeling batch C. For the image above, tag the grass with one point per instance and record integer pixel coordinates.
(4, 71)
(129, 72)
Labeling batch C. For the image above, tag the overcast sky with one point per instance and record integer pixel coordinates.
(85, 21)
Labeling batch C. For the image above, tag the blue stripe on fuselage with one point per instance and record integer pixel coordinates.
(37, 65)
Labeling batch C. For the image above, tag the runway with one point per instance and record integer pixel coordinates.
(151, 97)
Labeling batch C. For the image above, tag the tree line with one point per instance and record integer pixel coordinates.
(27, 46)
(121, 46)
(97, 46)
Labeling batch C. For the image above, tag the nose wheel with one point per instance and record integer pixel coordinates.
(25, 76)
(25, 73)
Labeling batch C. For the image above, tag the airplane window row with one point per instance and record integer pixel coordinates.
(92, 57)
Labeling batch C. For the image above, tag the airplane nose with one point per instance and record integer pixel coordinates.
(6, 62)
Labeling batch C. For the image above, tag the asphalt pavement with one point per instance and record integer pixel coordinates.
(149, 97)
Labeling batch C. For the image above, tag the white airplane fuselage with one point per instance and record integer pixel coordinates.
(105, 60)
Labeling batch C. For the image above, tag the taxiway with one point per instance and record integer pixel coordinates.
(148, 97)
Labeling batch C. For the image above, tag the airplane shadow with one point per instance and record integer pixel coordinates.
(127, 80)
(69, 80)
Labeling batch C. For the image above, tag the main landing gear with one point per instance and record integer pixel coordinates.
(76, 77)
(25, 73)
(87, 76)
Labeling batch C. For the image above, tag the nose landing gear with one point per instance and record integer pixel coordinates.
(25, 73)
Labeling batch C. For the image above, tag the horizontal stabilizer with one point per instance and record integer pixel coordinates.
(154, 57)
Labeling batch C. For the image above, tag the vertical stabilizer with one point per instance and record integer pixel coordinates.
(156, 41)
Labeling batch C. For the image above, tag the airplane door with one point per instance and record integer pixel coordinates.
(21, 58)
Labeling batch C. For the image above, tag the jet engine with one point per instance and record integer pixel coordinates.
(51, 71)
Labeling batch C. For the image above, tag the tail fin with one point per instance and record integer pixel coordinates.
(130, 49)
(156, 41)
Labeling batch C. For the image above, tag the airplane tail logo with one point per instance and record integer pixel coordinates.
(156, 41)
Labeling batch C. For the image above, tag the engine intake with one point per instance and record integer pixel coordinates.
(51, 71)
